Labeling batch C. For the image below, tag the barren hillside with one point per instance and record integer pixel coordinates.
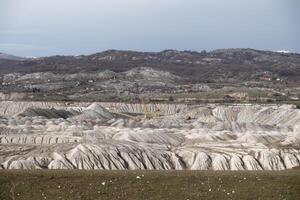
(113, 75)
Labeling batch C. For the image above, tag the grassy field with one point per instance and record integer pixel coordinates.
(183, 185)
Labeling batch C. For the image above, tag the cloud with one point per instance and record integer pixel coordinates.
(16, 46)
(21, 31)
(283, 51)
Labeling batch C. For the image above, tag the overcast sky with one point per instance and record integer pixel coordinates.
(50, 27)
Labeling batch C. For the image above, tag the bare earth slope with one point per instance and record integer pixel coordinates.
(116, 136)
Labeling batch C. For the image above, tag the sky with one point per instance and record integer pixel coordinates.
(74, 27)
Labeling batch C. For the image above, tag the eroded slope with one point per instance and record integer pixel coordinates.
(41, 135)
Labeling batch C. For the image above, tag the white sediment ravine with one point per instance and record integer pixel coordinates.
(44, 135)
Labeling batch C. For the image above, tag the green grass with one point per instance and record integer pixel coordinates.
(44, 184)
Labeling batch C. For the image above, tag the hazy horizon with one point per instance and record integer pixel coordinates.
(75, 27)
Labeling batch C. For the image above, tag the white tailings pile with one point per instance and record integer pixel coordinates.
(164, 109)
(41, 135)
(10, 108)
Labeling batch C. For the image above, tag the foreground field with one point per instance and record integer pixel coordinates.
(76, 184)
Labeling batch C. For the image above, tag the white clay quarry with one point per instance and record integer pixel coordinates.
(44, 135)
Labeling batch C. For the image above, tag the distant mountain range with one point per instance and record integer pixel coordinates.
(4, 56)
(223, 65)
